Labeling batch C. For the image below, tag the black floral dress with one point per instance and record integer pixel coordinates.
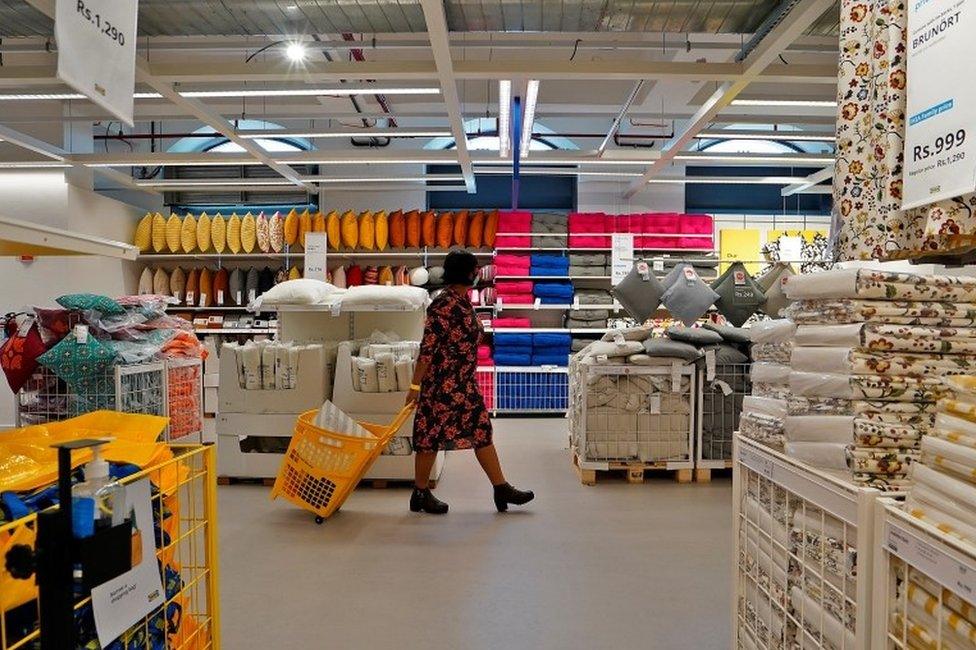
(451, 411)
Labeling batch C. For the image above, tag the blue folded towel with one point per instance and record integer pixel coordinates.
(557, 261)
(537, 271)
(554, 290)
(550, 359)
(513, 340)
(552, 340)
(505, 359)
(514, 349)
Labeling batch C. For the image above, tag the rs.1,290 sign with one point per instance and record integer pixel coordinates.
(97, 51)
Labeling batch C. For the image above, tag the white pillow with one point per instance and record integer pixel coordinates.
(419, 276)
(295, 292)
(638, 333)
(374, 295)
(611, 349)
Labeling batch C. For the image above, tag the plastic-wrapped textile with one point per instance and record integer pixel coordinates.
(945, 314)
(881, 285)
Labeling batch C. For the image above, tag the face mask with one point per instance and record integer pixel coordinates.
(475, 280)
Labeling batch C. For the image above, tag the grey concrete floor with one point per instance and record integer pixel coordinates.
(610, 566)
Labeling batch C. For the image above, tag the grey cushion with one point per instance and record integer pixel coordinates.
(727, 354)
(593, 297)
(730, 334)
(589, 259)
(672, 276)
(579, 344)
(771, 282)
(236, 286)
(436, 276)
(589, 271)
(694, 335)
(251, 283)
(589, 314)
(576, 323)
(739, 295)
(688, 298)
(548, 241)
(665, 347)
(640, 292)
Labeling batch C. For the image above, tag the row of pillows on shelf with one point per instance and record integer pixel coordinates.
(592, 229)
(367, 231)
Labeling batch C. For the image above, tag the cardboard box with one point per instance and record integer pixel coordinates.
(311, 391)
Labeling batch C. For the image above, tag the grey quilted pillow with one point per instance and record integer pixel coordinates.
(688, 298)
(664, 347)
(739, 295)
(771, 282)
(640, 292)
(730, 334)
(693, 335)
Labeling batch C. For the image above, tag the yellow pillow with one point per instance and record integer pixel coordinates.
(203, 233)
(367, 231)
(386, 276)
(382, 228)
(143, 237)
(188, 233)
(276, 230)
(234, 233)
(262, 233)
(158, 232)
(318, 222)
(350, 230)
(304, 226)
(218, 233)
(248, 233)
(173, 226)
(294, 274)
(332, 230)
(291, 228)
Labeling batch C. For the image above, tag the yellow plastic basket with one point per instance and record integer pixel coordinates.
(322, 467)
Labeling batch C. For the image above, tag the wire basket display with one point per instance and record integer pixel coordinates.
(635, 414)
(543, 389)
(184, 399)
(134, 388)
(804, 541)
(720, 406)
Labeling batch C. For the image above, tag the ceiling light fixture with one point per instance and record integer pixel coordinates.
(216, 182)
(798, 136)
(257, 92)
(531, 96)
(296, 52)
(382, 179)
(504, 118)
(40, 164)
(357, 133)
(772, 159)
(824, 103)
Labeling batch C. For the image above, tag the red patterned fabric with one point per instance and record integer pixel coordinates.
(18, 354)
(451, 412)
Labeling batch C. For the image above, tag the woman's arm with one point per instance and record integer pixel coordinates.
(434, 329)
(419, 373)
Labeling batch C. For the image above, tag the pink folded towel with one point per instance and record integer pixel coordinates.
(695, 224)
(507, 287)
(523, 262)
(589, 241)
(513, 241)
(514, 221)
(511, 322)
(516, 299)
(484, 352)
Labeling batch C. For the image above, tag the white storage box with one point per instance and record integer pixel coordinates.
(311, 389)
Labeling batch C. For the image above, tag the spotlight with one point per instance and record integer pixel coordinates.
(296, 52)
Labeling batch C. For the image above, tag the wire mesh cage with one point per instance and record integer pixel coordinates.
(720, 407)
(184, 503)
(803, 561)
(134, 388)
(926, 591)
(184, 399)
(634, 414)
(543, 389)
(485, 376)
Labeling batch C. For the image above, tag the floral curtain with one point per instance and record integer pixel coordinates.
(871, 104)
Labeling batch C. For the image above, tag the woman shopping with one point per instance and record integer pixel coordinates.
(451, 411)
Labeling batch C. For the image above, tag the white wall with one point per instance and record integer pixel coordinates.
(44, 197)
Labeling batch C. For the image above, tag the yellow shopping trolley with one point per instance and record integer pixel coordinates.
(322, 467)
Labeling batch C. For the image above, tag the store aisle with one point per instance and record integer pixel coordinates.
(614, 565)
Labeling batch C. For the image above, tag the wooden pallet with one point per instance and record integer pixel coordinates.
(244, 480)
(704, 474)
(633, 472)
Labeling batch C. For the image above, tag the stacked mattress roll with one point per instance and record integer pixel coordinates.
(870, 354)
(764, 411)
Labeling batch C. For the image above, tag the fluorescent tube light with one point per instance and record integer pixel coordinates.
(40, 164)
(531, 96)
(381, 179)
(825, 103)
(772, 159)
(356, 133)
(250, 92)
(504, 118)
(216, 182)
(799, 136)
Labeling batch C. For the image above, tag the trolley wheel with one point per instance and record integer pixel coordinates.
(319, 520)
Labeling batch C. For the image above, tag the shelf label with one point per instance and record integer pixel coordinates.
(621, 256)
(203, 300)
(791, 248)
(755, 461)
(251, 295)
(316, 256)
(658, 265)
(189, 298)
(932, 561)
(239, 295)
(220, 296)
(97, 51)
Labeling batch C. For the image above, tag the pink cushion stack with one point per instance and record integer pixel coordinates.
(512, 265)
(586, 228)
(699, 224)
(514, 221)
(502, 323)
(656, 224)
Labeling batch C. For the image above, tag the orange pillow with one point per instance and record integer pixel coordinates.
(398, 229)
(491, 228)
(476, 230)
(413, 229)
(445, 229)
(461, 228)
(429, 229)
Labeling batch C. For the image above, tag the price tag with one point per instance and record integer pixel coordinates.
(336, 308)
(724, 387)
(689, 273)
(203, 300)
(739, 278)
(932, 561)
(220, 297)
(675, 377)
(658, 265)
(537, 304)
(81, 334)
(97, 51)
(791, 248)
(189, 298)
(654, 403)
(24, 325)
(238, 297)
(621, 256)
(709, 365)
(316, 256)
(252, 294)
(760, 464)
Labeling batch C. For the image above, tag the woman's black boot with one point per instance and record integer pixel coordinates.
(505, 494)
(425, 501)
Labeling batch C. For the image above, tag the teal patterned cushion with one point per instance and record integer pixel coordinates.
(81, 365)
(90, 302)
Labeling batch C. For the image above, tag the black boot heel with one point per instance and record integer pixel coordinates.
(425, 501)
(505, 494)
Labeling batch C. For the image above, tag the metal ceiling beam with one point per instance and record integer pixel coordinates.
(205, 72)
(440, 45)
(800, 16)
(615, 125)
(809, 182)
(31, 143)
(197, 109)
